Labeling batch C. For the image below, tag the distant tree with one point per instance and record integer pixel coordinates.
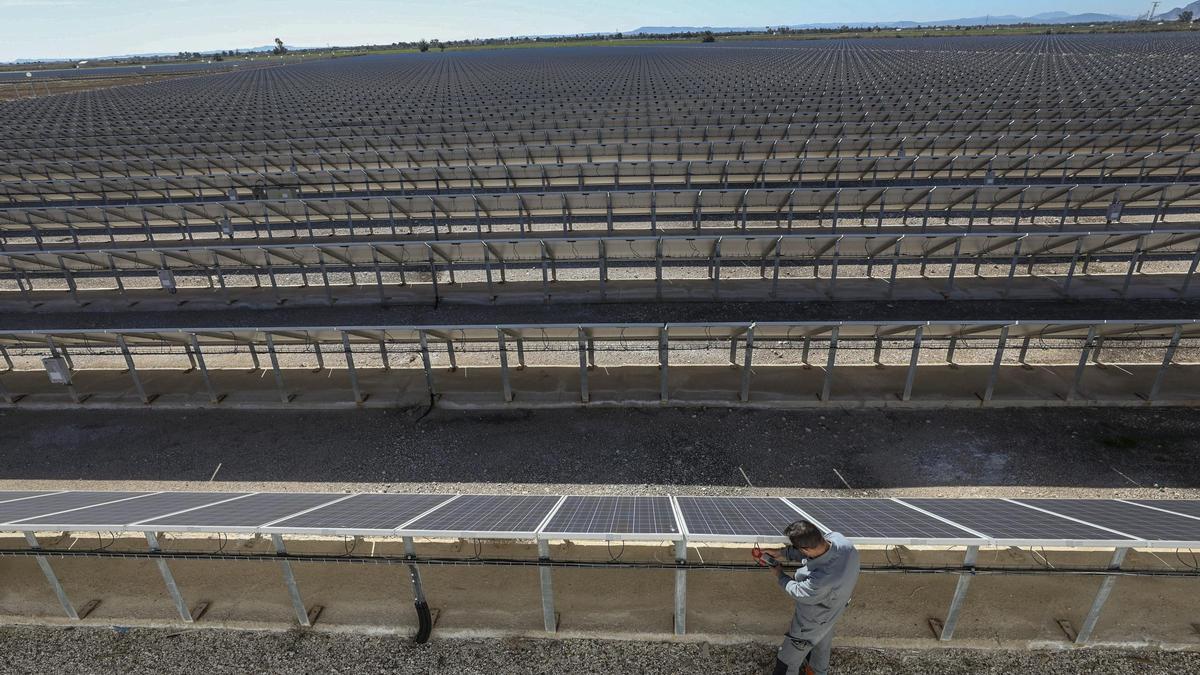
(707, 36)
(423, 46)
(1185, 16)
(619, 36)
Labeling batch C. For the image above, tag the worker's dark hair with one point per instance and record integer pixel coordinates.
(804, 534)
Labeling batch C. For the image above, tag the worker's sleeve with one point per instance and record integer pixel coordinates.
(804, 591)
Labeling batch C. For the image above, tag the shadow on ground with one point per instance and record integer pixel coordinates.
(871, 449)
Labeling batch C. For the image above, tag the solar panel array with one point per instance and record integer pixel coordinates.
(614, 515)
(487, 513)
(1066, 522)
(1028, 133)
(735, 516)
(1004, 520)
(1181, 506)
(1130, 519)
(877, 519)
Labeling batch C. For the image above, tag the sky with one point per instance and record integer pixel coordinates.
(85, 28)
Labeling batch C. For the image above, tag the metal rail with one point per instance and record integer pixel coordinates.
(1053, 264)
(938, 361)
(526, 214)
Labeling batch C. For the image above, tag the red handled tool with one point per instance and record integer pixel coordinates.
(763, 559)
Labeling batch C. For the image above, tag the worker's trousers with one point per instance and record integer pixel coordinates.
(818, 655)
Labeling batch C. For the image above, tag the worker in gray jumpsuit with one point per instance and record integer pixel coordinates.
(821, 588)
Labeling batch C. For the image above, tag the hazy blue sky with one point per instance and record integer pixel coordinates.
(78, 28)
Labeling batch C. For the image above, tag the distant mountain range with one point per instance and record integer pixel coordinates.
(992, 20)
(995, 20)
(146, 55)
(1172, 15)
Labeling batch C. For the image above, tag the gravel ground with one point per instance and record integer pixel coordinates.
(615, 313)
(58, 650)
(1125, 452)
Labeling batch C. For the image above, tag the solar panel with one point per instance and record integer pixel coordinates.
(29, 508)
(878, 518)
(1000, 519)
(487, 513)
(247, 512)
(365, 512)
(614, 515)
(1131, 519)
(736, 516)
(119, 514)
(11, 495)
(1188, 507)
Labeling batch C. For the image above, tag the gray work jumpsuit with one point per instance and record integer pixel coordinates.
(821, 589)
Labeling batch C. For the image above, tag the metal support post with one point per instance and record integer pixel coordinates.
(912, 364)
(1134, 266)
(996, 362)
(681, 588)
(716, 268)
(1166, 364)
(1187, 281)
(290, 580)
(187, 351)
(658, 268)
(583, 367)
(320, 357)
(284, 397)
(1074, 264)
(180, 606)
(549, 618)
(350, 370)
(603, 269)
(504, 379)
(775, 269)
(1083, 357)
(833, 267)
(663, 363)
(425, 362)
(378, 276)
(1093, 615)
(213, 397)
(828, 383)
(133, 374)
(892, 274)
(745, 394)
(960, 594)
(1012, 269)
(953, 265)
(52, 578)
